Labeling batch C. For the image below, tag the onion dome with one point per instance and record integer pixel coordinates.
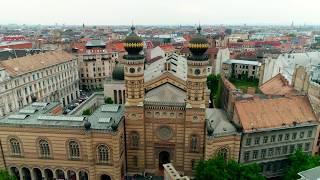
(198, 45)
(118, 72)
(133, 43)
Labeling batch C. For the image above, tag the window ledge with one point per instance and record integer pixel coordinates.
(45, 157)
(16, 156)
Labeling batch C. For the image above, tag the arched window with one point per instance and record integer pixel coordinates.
(103, 154)
(15, 147)
(223, 152)
(44, 149)
(134, 140)
(74, 150)
(194, 143)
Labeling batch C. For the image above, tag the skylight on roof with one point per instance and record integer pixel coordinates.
(27, 111)
(110, 108)
(39, 104)
(18, 116)
(61, 118)
(105, 120)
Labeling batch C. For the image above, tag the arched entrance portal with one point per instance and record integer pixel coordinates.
(164, 158)
(105, 177)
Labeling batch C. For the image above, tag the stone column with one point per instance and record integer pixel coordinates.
(54, 175)
(21, 174)
(65, 174)
(77, 175)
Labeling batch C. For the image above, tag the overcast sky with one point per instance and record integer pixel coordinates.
(154, 12)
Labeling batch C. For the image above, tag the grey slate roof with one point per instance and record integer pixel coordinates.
(217, 119)
(310, 174)
(39, 116)
(104, 112)
(166, 94)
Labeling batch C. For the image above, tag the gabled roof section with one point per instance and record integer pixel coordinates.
(166, 77)
(278, 85)
(166, 94)
(218, 121)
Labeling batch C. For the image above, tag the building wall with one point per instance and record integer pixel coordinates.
(231, 143)
(157, 117)
(55, 83)
(222, 56)
(278, 146)
(95, 67)
(269, 68)
(116, 90)
(88, 141)
(18, 46)
(252, 71)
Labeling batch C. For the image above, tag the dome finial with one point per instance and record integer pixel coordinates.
(199, 28)
(132, 26)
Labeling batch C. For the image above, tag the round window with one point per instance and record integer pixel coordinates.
(132, 70)
(197, 71)
(165, 132)
(139, 69)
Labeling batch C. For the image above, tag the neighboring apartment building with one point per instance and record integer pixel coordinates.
(273, 128)
(39, 143)
(306, 80)
(239, 68)
(95, 64)
(50, 76)
(286, 64)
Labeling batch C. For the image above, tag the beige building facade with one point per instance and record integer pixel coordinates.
(95, 65)
(50, 76)
(164, 120)
(51, 146)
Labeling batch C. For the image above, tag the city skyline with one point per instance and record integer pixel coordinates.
(166, 12)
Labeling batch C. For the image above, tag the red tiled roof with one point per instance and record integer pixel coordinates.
(273, 113)
(278, 85)
(118, 47)
(167, 47)
(81, 46)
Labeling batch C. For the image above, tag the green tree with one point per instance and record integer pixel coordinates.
(300, 161)
(108, 100)
(87, 112)
(214, 83)
(217, 168)
(4, 175)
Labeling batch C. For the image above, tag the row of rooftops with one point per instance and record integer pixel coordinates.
(47, 115)
(26, 64)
